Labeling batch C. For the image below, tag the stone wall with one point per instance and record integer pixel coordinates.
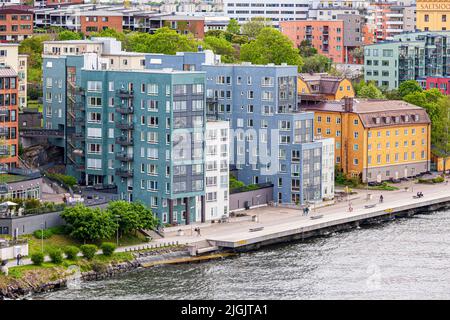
(253, 198)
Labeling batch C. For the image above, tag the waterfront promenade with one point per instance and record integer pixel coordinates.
(279, 221)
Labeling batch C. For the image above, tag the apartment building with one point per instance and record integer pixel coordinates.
(16, 23)
(410, 56)
(376, 140)
(387, 19)
(272, 141)
(433, 15)
(140, 130)
(335, 39)
(9, 56)
(275, 10)
(9, 137)
(96, 21)
(441, 83)
(217, 144)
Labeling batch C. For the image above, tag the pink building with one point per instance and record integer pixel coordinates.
(441, 83)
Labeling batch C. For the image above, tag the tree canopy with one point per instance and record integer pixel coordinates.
(70, 35)
(221, 46)
(271, 46)
(306, 49)
(233, 27)
(316, 63)
(253, 27)
(409, 86)
(368, 90)
(33, 47)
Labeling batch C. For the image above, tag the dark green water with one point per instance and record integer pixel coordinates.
(402, 259)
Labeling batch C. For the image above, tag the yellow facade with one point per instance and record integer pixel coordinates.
(433, 15)
(359, 149)
(345, 89)
(439, 163)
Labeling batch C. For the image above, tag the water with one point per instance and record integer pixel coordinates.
(402, 259)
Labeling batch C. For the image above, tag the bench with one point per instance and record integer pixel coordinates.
(368, 206)
(316, 217)
(255, 229)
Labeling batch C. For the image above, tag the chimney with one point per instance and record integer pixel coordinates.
(348, 104)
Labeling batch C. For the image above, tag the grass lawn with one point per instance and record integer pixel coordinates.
(33, 104)
(62, 240)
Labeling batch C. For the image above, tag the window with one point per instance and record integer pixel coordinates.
(152, 89)
(94, 86)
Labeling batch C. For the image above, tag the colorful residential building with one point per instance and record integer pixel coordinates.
(335, 39)
(441, 83)
(376, 140)
(16, 23)
(410, 56)
(433, 15)
(313, 87)
(98, 20)
(9, 56)
(140, 130)
(9, 136)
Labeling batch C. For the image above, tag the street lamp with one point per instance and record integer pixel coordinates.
(257, 212)
(42, 237)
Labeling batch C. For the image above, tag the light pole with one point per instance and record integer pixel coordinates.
(257, 214)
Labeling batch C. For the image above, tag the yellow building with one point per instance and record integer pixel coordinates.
(375, 140)
(433, 15)
(313, 87)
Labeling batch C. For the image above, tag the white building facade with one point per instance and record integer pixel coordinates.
(217, 138)
(328, 168)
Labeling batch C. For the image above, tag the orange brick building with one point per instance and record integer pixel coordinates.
(185, 25)
(96, 21)
(9, 136)
(333, 38)
(16, 23)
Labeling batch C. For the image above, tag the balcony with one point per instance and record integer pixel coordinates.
(3, 132)
(126, 157)
(4, 151)
(124, 93)
(80, 121)
(79, 106)
(80, 91)
(124, 173)
(123, 141)
(80, 167)
(124, 110)
(3, 112)
(124, 125)
(78, 137)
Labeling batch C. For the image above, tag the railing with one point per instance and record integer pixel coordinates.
(78, 136)
(252, 187)
(124, 93)
(124, 157)
(124, 173)
(124, 141)
(124, 125)
(10, 243)
(4, 151)
(124, 110)
(30, 132)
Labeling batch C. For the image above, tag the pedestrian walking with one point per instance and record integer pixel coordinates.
(381, 199)
(19, 256)
(350, 208)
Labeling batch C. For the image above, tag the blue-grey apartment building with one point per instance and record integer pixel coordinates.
(141, 130)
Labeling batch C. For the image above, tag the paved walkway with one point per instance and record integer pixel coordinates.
(273, 217)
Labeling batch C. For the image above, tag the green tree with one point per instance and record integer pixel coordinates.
(271, 46)
(440, 130)
(88, 223)
(131, 216)
(168, 41)
(306, 49)
(70, 35)
(253, 27)
(222, 47)
(147, 219)
(369, 91)
(409, 86)
(316, 63)
(33, 47)
(234, 27)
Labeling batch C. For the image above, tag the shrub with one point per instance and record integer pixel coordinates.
(56, 256)
(46, 234)
(108, 248)
(438, 179)
(88, 251)
(71, 252)
(37, 258)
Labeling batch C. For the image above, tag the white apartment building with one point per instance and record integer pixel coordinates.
(9, 56)
(328, 168)
(276, 10)
(216, 171)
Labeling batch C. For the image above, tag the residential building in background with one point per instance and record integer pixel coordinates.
(441, 83)
(384, 20)
(97, 21)
(317, 87)
(433, 15)
(335, 39)
(9, 137)
(9, 56)
(376, 140)
(274, 10)
(410, 56)
(16, 23)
